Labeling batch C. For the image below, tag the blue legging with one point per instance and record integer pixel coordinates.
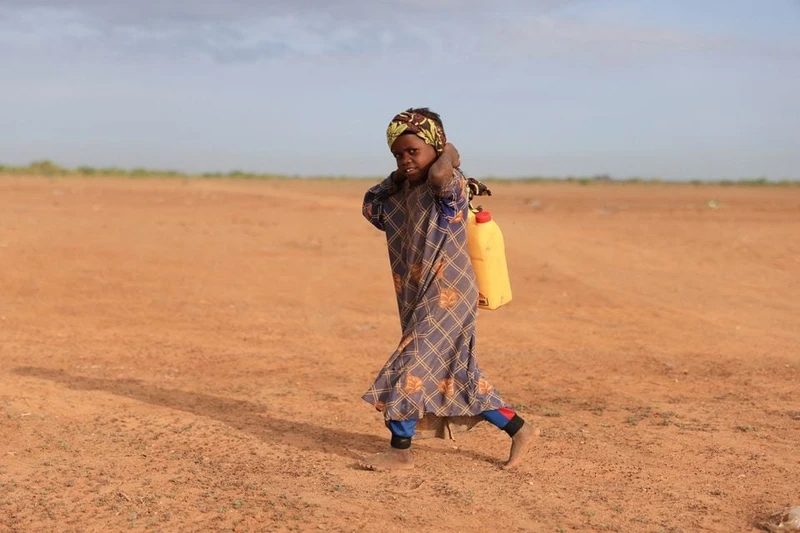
(406, 428)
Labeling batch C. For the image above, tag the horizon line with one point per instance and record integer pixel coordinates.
(46, 167)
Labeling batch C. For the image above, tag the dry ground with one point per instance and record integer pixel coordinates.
(189, 356)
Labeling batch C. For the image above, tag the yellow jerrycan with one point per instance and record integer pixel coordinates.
(487, 253)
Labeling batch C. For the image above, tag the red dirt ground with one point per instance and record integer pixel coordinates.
(181, 355)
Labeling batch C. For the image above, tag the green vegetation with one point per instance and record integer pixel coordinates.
(48, 168)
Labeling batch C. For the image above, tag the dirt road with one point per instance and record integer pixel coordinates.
(189, 356)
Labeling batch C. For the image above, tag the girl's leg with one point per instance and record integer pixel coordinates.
(398, 457)
(505, 419)
(402, 432)
(521, 433)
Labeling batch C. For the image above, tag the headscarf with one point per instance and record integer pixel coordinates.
(420, 125)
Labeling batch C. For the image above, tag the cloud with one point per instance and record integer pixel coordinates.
(621, 41)
(398, 12)
(545, 37)
(429, 30)
(245, 30)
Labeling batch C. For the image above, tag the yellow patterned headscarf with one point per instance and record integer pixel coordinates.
(420, 125)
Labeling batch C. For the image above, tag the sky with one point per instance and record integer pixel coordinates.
(675, 90)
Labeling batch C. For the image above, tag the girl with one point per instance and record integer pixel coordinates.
(432, 380)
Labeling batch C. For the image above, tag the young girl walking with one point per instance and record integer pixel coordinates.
(432, 381)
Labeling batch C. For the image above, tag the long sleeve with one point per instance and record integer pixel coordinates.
(453, 198)
(373, 208)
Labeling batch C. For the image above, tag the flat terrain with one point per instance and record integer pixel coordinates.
(181, 355)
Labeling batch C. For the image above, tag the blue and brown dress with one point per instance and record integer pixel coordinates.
(432, 378)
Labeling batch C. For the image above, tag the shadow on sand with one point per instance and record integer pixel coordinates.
(242, 415)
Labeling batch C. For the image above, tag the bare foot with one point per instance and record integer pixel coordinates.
(392, 460)
(520, 443)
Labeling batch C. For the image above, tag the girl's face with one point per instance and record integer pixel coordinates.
(414, 157)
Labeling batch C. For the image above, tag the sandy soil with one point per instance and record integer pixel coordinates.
(189, 356)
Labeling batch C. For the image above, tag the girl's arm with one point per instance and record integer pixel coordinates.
(441, 172)
(449, 184)
(373, 206)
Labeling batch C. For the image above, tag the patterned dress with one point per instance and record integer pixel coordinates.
(433, 375)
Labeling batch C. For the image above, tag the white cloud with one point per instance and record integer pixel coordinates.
(244, 30)
(252, 30)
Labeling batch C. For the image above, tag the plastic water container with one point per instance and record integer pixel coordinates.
(488, 256)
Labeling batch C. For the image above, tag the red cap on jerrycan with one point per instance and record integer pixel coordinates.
(483, 216)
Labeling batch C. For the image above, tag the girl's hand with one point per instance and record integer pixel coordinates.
(455, 157)
(441, 171)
